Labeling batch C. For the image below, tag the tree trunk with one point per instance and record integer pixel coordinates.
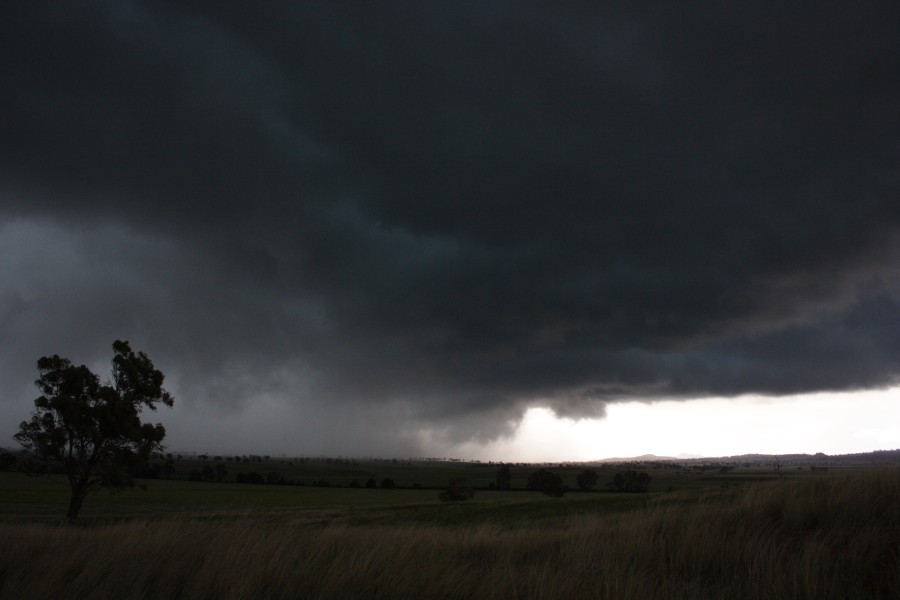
(75, 501)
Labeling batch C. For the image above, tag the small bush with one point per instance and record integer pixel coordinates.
(252, 477)
(457, 491)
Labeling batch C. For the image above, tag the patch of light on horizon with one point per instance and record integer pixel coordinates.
(833, 423)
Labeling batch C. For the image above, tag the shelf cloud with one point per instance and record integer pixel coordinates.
(384, 222)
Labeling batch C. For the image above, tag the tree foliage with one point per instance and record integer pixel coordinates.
(587, 479)
(630, 481)
(547, 482)
(93, 431)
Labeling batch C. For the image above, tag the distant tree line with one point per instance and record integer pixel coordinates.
(543, 480)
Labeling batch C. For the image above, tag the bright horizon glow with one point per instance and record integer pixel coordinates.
(829, 422)
(833, 423)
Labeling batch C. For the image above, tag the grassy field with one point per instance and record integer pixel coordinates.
(40, 499)
(321, 489)
(813, 536)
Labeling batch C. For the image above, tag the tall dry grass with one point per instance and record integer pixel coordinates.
(830, 537)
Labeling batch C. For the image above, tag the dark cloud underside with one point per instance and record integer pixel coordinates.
(450, 212)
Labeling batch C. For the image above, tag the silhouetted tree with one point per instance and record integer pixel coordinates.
(630, 481)
(387, 484)
(587, 479)
(93, 431)
(504, 477)
(370, 482)
(546, 482)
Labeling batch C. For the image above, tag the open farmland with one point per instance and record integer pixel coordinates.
(325, 487)
(812, 535)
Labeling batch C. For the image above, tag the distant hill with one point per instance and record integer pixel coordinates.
(862, 458)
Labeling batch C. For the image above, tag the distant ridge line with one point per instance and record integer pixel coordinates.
(874, 456)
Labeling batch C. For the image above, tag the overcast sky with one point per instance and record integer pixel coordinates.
(394, 228)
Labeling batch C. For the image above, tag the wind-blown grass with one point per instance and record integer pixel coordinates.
(822, 537)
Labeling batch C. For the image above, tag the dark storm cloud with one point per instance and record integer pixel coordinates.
(446, 213)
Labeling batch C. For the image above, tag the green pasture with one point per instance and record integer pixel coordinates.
(414, 501)
(28, 498)
(828, 537)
